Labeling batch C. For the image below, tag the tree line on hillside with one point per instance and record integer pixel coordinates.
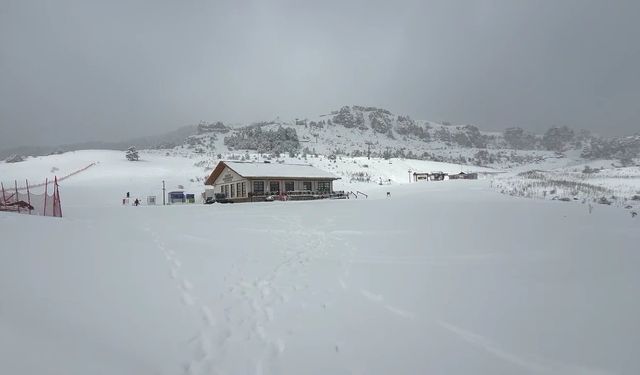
(281, 140)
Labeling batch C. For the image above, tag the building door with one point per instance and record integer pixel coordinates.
(274, 187)
(289, 186)
(306, 185)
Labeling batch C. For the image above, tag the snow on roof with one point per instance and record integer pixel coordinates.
(278, 170)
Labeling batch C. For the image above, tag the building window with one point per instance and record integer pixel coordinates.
(239, 192)
(258, 187)
(324, 186)
(274, 187)
(306, 185)
(232, 191)
(289, 186)
(244, 190)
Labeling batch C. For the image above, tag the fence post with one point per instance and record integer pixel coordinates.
(17, 199)
(57, 195)
(28, 196)
(46, 185)
(59, 204)
(54, 197)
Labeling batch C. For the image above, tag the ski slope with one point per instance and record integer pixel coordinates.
(112, 176)
(442, 277)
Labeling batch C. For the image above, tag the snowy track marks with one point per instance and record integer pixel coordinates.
(378, 299)
(204, 348)
(531, 365)
(245, 316)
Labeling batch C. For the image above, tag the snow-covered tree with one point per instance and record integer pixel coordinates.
(380, 121)
(558, 138)
(132, 154)
(350, 119)
(14, 159)
(519, 139)
(406, 126)
(281, 140)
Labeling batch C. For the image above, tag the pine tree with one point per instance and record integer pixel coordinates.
(132, 154)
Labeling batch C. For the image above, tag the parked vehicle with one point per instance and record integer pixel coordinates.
(222, 198)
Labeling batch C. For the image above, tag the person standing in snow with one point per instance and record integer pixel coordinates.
(136, 202)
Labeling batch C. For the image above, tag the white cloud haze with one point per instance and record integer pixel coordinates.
(74, 70)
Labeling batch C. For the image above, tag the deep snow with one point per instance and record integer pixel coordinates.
(443, 277)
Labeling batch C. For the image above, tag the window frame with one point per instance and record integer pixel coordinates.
(271, 184)
(288, 184)
(324, 186)
(257, 191)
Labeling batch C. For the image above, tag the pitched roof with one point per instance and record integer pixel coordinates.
(270, 170)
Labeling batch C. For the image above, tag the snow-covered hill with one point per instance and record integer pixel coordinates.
(369, 131)
(359, 131)
(442, 277)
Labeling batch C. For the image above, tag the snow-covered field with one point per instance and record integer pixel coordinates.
(618, 186)
(112, 176)
(442, 278)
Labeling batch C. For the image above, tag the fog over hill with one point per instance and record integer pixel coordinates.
(169, 139)
(362, 130)
(95, 70)
(365, 130)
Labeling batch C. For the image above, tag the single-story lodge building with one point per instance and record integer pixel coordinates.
(251, 181)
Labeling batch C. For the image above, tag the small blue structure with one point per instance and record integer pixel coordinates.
(176, 197)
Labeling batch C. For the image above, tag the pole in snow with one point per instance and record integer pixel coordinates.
(163, 193)
(54, 198)
(57, 194)
(28, 196)
(46, 186)
(17, 199)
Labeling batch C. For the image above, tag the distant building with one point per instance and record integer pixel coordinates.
(247, 181)
(428, 176)
(437, 176)
(463, 176)
(176, 197)
(440, 176)
(420, 176)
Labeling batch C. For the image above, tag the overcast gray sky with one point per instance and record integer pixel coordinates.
(75, 70)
